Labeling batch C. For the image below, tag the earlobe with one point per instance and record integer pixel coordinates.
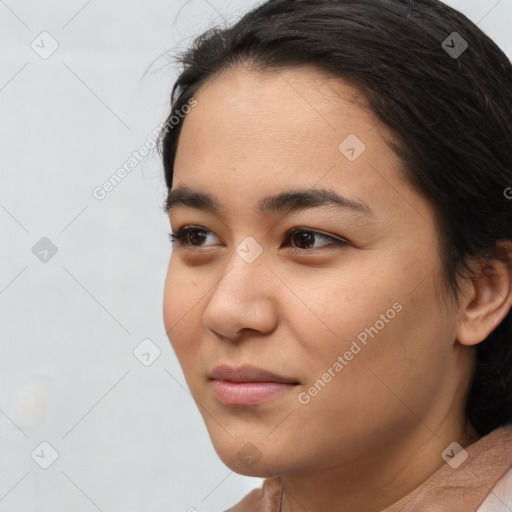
(488, 301)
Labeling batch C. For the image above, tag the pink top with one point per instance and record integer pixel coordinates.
(482, 483)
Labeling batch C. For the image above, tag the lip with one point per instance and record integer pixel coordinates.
(247, 374)
(247, 385)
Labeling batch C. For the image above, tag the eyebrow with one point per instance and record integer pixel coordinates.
(283, 202)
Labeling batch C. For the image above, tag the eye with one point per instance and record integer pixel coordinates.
(190, 237)
(187, 236)
(303, 236)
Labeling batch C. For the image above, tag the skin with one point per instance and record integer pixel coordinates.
(377, 430)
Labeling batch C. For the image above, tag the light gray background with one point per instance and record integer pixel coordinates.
(129, 437)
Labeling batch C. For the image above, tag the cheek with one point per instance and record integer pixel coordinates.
(370, 319)
(329, 309)
(181, 310)
(393, 361)
(380, 392)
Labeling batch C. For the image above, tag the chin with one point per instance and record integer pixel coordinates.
(247, 458)
(258, 470)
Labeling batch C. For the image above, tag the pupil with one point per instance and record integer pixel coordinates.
(305, 238)
(194, 234)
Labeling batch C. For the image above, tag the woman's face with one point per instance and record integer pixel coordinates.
(358, 325)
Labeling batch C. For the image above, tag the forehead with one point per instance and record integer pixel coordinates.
(294, 103)
(256, 133)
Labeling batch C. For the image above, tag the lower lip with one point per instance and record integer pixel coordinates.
(247, 393)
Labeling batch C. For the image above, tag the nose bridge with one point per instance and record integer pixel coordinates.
(242, 280)
(245, 268)
(241, 298)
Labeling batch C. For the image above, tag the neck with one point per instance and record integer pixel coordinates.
(376, 479)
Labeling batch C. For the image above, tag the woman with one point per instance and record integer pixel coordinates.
(339, 293)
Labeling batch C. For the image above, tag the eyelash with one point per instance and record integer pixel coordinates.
(179, 239)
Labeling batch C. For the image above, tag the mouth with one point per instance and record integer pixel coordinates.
(248, 385)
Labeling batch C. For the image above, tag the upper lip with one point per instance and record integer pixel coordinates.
(247, 374)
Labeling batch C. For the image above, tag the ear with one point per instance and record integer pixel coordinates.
(489, 298)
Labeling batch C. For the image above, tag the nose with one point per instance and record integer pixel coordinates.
(243, 298)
